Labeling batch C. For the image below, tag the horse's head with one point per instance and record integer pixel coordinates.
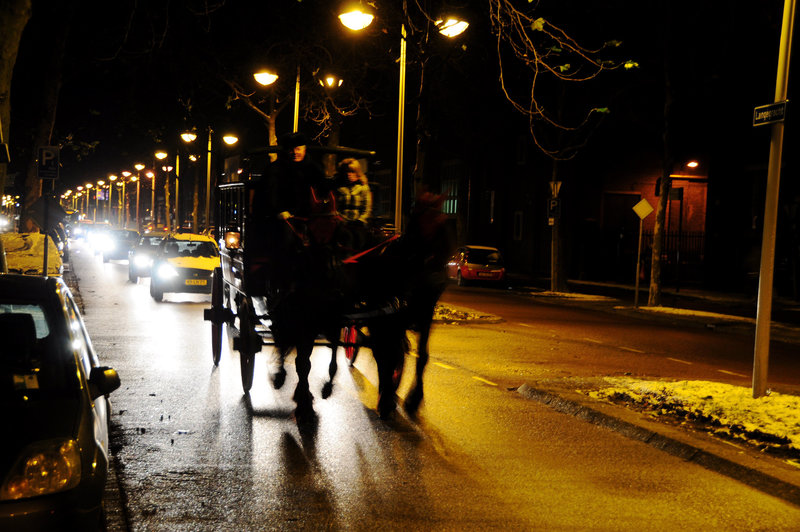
(427, 217)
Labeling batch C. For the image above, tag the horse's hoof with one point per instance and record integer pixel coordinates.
(327, 390)
(278, 378)
(386, 408)
(413, 401)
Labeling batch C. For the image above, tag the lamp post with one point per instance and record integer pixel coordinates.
(88, 194)
(139, 167)
(267, 78)
(126, 176)
(97, 197)
(161, 155)
(112, 179)
(152, 176)
(167, 207)
(357, 20)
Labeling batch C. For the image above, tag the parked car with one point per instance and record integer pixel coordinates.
(117, 243)
(140, 258)
(476, 263)
(184, 263)
(54, 453)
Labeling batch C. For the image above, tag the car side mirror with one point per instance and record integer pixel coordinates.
(102, 381)
(232, 239)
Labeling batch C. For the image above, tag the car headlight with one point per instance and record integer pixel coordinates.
(166, 271)
(143, 261)
(44, 467)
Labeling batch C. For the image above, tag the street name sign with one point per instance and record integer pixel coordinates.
(769, 114)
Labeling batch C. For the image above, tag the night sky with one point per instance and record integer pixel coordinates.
(136, 74)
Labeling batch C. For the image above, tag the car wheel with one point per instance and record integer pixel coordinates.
(105, 259)
(155, 291)
(132, 277)
(460, 280)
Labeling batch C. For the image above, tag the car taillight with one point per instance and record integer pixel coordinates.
(43, 468)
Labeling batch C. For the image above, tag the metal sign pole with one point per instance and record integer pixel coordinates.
(764, 309)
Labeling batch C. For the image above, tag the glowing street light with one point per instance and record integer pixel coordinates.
(267, 78)
(139, 167)
(152, 176)
(357, 19)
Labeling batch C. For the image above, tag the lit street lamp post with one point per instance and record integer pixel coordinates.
(357, 20)
(139, 167)
(152, 176)
(161, 155)
(112, 178)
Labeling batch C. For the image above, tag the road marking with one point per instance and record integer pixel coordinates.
(679, 360)
(490, 383)
(593, 340)
(526, 325)
(733, 373)
(632, 350)
(445, 366)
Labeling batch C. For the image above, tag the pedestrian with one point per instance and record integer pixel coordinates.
(354, 200)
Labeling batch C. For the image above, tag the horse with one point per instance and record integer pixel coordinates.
(407, 277)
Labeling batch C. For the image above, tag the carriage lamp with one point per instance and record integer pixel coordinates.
(232, 239)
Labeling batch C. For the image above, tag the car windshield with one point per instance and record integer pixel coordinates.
(150, 240)
(34, 362)
(484, 256)
(190, 248)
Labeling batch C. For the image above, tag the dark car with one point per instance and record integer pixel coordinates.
(476, 263)
(54, 453)
(117, 243)
(184, 263)
(140, 258)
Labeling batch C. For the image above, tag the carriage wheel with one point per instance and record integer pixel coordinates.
(249, 344)
(217, 306)
(350, 340)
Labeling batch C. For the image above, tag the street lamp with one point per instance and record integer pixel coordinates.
(97, 197)
(357, 19)
(112, 178)
(152, 176)
(267, 78)
(139, 167)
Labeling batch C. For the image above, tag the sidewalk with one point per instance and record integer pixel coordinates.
(689, 306)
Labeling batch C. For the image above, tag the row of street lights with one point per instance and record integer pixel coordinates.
(354, 19)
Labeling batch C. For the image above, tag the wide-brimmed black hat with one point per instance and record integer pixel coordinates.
(291, 140)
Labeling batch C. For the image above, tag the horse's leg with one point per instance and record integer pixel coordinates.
(388, 350)
(414, 398)
(302, 394)
(333, 338)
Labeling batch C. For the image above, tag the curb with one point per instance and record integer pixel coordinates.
(755, 478)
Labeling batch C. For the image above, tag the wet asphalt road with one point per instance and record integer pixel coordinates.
(194, 453)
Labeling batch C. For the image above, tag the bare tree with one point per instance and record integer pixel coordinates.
(552, 59)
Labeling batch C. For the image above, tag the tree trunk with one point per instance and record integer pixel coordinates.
(13, 18)
(558, 278)
(654, 297)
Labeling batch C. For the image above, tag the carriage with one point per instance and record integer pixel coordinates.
(237, 299)
(240, 303)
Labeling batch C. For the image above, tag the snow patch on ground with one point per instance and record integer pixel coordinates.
(772, 423)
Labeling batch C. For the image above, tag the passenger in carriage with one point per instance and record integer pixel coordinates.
(354, 201)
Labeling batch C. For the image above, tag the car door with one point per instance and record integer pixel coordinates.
(82, 344)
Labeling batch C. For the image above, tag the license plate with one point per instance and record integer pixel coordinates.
(197, 282)
(485, 274)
